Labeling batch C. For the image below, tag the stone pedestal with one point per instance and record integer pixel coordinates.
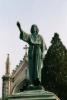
(33, 95)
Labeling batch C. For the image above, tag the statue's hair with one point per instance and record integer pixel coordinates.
(34, 25)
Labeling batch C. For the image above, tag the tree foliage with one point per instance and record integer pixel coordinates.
(54, 72)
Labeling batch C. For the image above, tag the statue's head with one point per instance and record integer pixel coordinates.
(34, 29)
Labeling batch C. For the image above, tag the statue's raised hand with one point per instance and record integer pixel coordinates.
(18, 24)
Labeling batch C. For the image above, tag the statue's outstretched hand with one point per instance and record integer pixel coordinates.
(18, 24)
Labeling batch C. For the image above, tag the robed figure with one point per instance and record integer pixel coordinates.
(35, 52)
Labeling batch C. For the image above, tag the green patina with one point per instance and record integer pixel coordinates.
(35, 53)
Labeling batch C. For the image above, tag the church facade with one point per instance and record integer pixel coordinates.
(12, 83)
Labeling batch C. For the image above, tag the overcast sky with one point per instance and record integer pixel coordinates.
(49, 15)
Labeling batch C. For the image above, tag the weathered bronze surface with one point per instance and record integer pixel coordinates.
(35, 52)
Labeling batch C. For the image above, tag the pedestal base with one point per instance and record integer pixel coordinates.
(33, 95)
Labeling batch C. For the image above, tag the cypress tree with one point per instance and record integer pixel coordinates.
(54, 72)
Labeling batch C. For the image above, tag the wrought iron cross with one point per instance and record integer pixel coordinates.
(26, 48)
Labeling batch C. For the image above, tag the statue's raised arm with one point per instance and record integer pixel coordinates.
(23, 35)
(19, 27)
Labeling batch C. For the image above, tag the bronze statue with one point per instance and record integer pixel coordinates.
(35, 52)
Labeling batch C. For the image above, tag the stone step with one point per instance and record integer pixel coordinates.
(33, 95)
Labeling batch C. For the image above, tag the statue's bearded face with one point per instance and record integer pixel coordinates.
(34, 30)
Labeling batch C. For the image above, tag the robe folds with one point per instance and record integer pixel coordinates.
(35, 54)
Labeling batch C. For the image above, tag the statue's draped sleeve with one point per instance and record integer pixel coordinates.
(44, 48)
(24, 36)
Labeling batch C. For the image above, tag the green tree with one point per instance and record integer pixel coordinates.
(54, 72)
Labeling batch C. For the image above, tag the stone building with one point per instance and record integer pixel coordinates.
(12, 83)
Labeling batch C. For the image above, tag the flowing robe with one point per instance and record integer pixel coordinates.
(35, 54)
